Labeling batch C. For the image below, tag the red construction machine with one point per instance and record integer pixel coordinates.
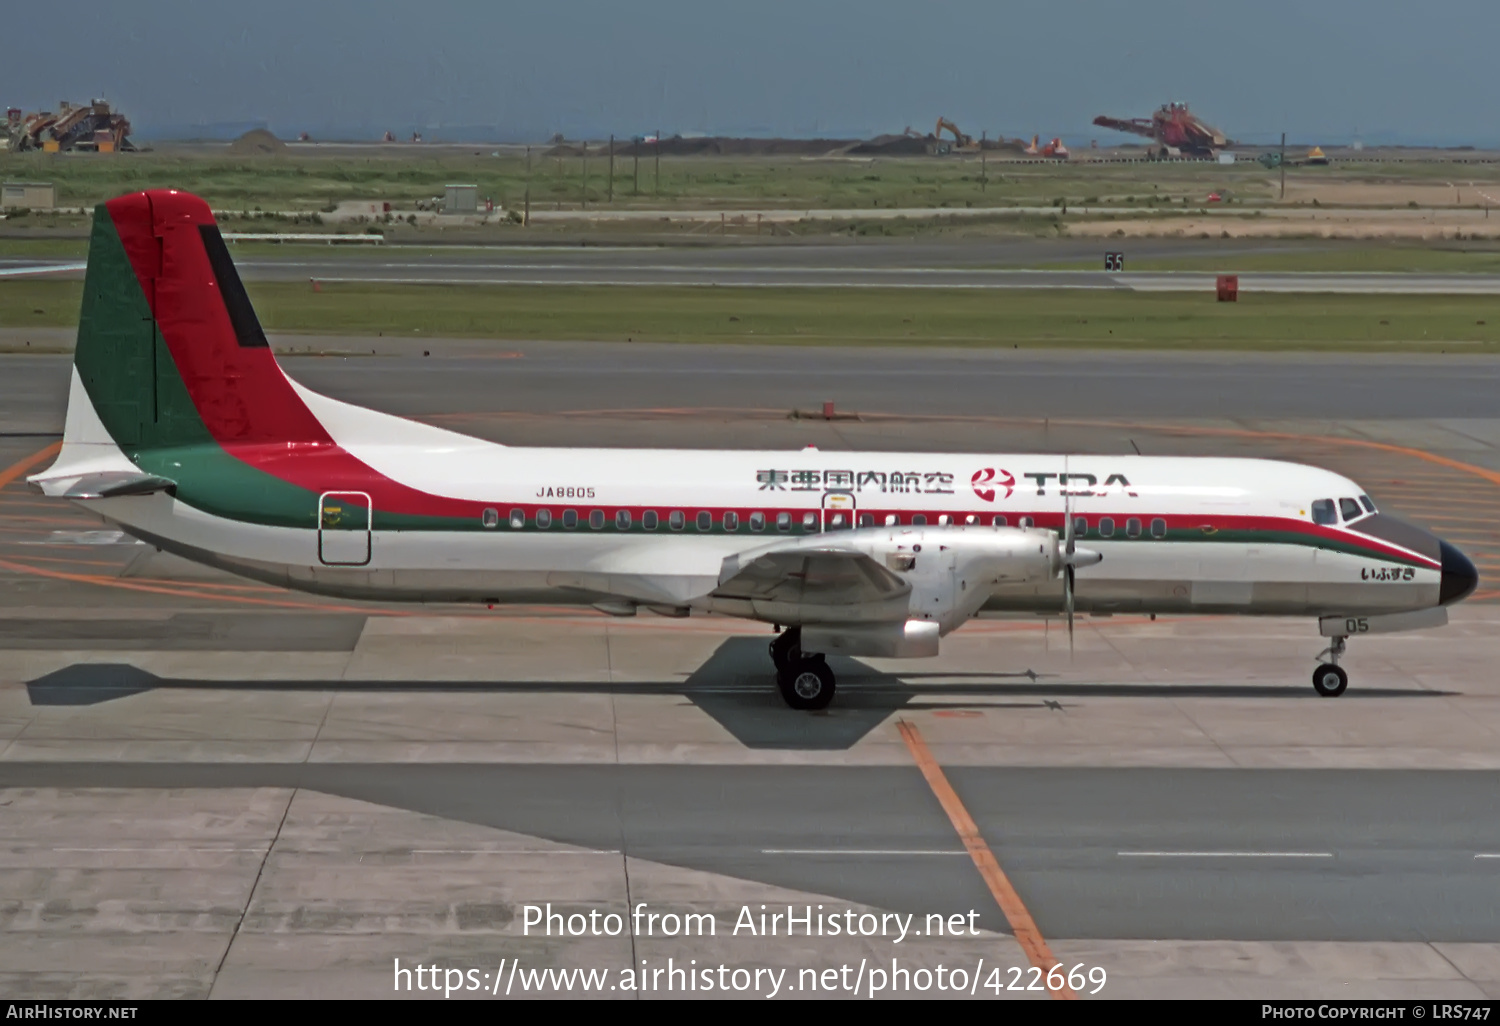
(93, 127)
(1174, 129)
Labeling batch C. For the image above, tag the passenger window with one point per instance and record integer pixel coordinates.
(944, 519)
(1000, 521)
(1133, 527)
(1158, 527)
(490, 518)
(1080, 527)
(1369, 503)
(1106, 527)
(596, 519)
(867, 520)
(570, 518)
(891, 520)
(835, 521)
(809, 521)
(731, 521)
(517, 519)
(544, 518)
(622, 520)
(677, 520)
(919, 520)
(971, 519)
(1323, 512)
(649, 520)
(705, 520)
(1028, 522)
(1349, 508)
(783, 521)
(757, 521)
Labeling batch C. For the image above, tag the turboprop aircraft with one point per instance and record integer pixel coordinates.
(182, 429)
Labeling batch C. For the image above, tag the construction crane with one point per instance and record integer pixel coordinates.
(93, 127)
(1174, 129)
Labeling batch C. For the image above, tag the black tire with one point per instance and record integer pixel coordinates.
(807, 685)
(1329, 680)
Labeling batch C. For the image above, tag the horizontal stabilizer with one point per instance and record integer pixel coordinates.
(107, 484)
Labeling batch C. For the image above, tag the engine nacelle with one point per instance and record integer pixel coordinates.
(953, 570)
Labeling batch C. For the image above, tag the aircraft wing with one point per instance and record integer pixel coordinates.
(805, 576)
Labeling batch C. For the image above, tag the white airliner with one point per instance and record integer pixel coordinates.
(183, 430)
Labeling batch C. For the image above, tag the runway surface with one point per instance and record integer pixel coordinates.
(961, 265)
(465, 378)
(217, 788)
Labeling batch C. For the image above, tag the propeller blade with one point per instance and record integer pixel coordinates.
(1068, 604)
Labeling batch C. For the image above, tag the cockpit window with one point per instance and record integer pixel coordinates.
(1323, 512)
(1368, 503)
(1350, 509)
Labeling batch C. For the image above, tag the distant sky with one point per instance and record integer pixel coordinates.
(1321, 70)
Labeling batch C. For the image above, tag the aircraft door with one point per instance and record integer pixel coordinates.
(838, 511)
(344, 528)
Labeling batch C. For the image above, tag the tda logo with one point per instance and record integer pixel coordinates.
(987, 480)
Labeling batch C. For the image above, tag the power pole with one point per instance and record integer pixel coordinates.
(658, 162)
(585, 175)
(1282, 162)
(526, 215)
(635, 146)
(611, 169)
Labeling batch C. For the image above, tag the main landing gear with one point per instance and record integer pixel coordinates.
(1329, 679)
(803, 678)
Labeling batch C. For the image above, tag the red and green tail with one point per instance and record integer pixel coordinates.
(174, 362)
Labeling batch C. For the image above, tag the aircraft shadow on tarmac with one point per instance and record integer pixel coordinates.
(734, 688)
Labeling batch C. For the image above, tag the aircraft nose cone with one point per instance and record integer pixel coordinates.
(1459, 576)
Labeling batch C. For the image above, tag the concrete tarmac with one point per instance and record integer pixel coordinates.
(986, 264)
(432, 272)
(214, 788)
(478, 377)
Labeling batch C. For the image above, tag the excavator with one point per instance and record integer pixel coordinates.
(960, 140)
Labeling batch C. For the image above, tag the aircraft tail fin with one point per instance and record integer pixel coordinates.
(170, 352)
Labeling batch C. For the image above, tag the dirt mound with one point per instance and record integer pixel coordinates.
(893, 145)
(716, 146)
(257, 142)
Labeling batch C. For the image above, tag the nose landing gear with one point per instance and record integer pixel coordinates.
(1329, 679)
(804, 679)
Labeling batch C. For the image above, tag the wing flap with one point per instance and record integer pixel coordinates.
(817, 577)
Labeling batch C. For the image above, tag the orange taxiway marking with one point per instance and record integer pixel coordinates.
(15, 470)
(1022, 926)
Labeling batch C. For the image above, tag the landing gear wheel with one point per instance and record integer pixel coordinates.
(1330, 680)
(808, 684)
